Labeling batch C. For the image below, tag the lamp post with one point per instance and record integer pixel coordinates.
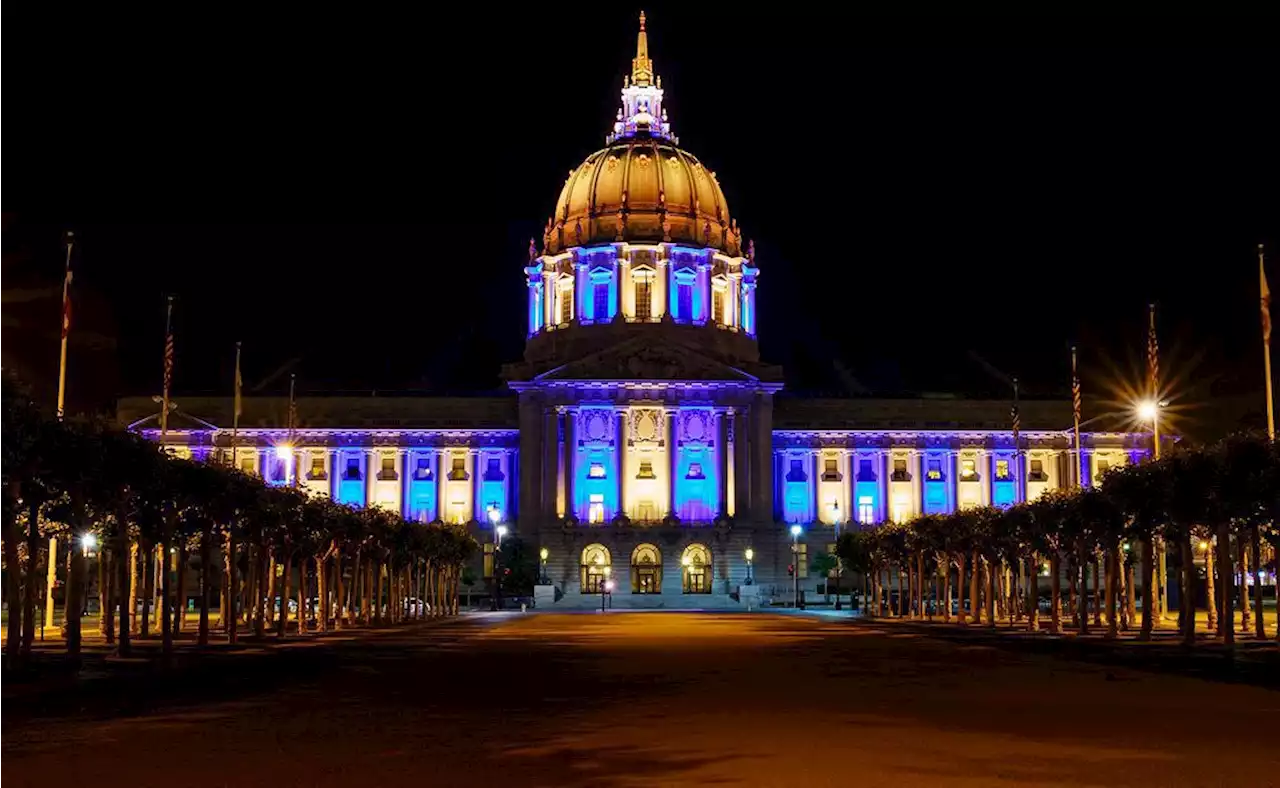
(499, 531)
(284, 453)
(795, 563)
(750, 556)
(542, 575)
(1149, 410)
(608, 586)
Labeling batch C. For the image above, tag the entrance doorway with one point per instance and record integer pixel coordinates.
(596, 565)
(646, 570)
(696, 568)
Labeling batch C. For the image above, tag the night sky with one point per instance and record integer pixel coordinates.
(937, 205)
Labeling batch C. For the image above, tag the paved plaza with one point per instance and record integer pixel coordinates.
(651, 699)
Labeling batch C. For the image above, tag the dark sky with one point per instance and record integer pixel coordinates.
(936, 203)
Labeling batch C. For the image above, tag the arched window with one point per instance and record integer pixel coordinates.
(646, 570)
(695, 565)
(596, 568)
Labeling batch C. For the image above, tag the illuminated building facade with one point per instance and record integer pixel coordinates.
(642, 445)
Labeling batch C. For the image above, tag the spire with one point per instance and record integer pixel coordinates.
(642, 66)
(641, 110)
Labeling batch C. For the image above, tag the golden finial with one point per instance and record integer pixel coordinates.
(641, 66)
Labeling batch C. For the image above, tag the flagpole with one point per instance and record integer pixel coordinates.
(1153, 370)
(168, 371)
(66, 328)
(1266, 344)
(1016, 417)
(1075, 412)
(235, 418)
(293, 449)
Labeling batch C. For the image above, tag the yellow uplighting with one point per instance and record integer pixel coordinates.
(284, 451)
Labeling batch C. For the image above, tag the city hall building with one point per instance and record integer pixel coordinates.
(644, 440)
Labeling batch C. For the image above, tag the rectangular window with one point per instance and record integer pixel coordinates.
(866, 472)
(797, 474)
(684, 302)
(595, 508)
(935, 471)
(493, 469)
(1037, 471)
(644, 298)
(900, 473)
(646, 470)
(247, 465)
(969, 470)
(1103, 467)
(352, 472)
(830, 470)
(866, 510)
(458, 469)
(600, 301)
(695, 471)
(423, 469)
(317, 469)
(717, 306)
(1002, 470)
(388, 471)
(596, 471)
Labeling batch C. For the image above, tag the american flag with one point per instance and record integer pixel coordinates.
(1153, 354)
(168, 349)
(1266, 299)
(1015, 416)
(66, 290)
(1075, 389)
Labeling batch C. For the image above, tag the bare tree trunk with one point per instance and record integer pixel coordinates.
(1259, 625)
(104, 593)
(127, 587)
(322, 594)
(180, 598)
(1226, 591)
(1188, 590)
(261, 602)
(377, 593)
(340, 585)
(74, 602)
(898, 608)
(989, 578)
(232, 622)
(1242, 560)
(975, 577)
(353, 608)
(166, 623)
(147, 552)
(1212, 602)
(1130, 594)
(1083, 563)
(1162, 577)
(1113, 575)
(272, 590)
(282, 620)
(303, 594)
(1033, 593)
(1097, 595)
(1148, 587)
(944, 581)
(206, 575)
(13, 588)
(1055, 593)
(29, 590)
(51, 581)
(366, 592)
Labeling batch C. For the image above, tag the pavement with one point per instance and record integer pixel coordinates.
(651, 699)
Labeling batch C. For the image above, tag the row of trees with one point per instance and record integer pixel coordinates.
(151, 517)
(1221, 503)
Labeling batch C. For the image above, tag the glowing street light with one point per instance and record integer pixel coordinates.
(796, 530)
(284, 453)
(543, 554)
(1148, 410)
(89, 541)
(750, 555)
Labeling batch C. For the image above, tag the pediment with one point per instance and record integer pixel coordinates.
(643, 360)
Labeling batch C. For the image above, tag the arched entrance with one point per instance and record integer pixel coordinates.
(596, 566)
(696, 568)
(646, 570)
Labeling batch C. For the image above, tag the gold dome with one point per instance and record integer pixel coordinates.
(629, 190)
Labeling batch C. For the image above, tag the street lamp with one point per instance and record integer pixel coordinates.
(608, 592)
(88, 543)
(284, 453)
(795, 565)
(750, 556)
(1149, 410)
(499, 531)
(542, 554)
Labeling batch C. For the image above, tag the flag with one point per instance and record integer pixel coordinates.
(1015, 416)
(239, 405)
(1266, 299)
(1153, 355)
(66, 293)
(1075, 390)
(168, 369)
(293, 407)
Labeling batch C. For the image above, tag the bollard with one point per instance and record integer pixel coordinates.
(522, 607)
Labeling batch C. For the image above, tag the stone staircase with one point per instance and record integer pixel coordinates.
(663, 601)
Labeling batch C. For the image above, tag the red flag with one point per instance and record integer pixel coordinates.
(1266, 302)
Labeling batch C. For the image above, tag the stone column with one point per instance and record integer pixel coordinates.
(620, 456)
(916, 462)
(405, 510)
(370, 476)
(742, 465)
(985, 477)
(722, 459)
(530, 458)
(953, 480)
(334, 478)
(477, 505)
(882, 484)
(762, 456)
(673, 459)
(815, 462)
(570, 461)
(548, 299)
(850, 513)
(550, 462)
(442, 485)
